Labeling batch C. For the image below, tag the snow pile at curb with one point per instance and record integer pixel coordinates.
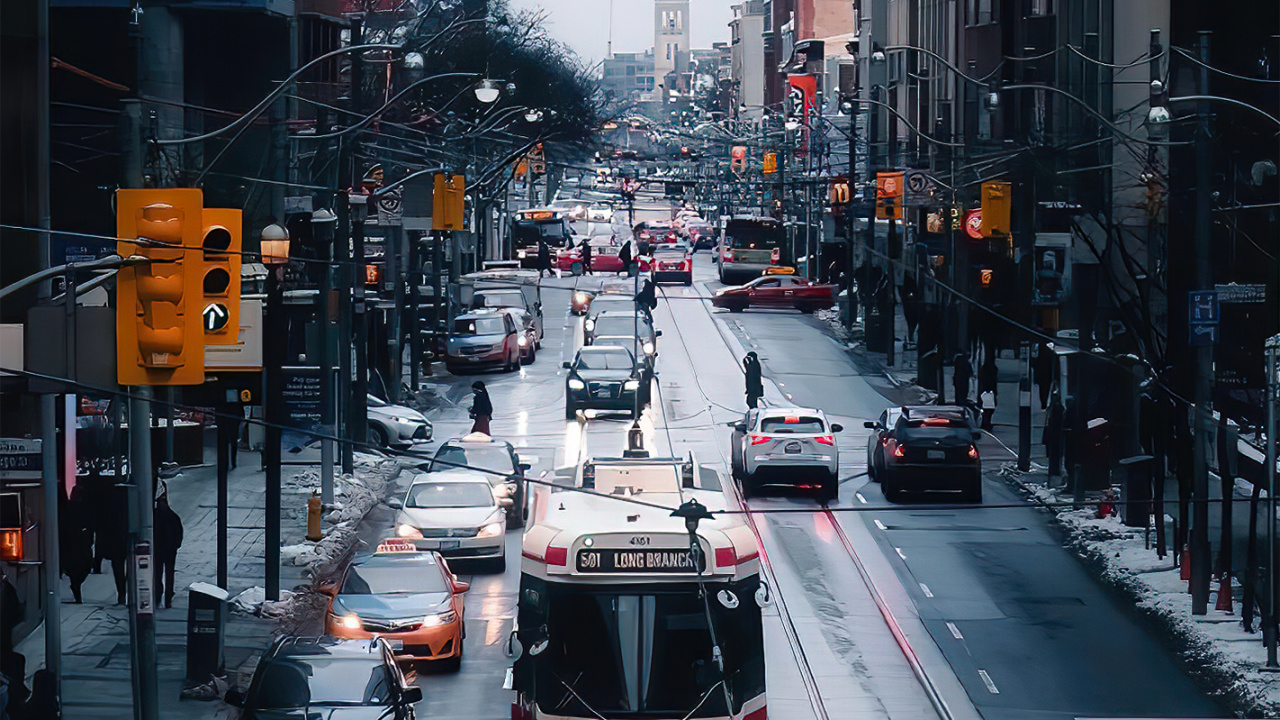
(1215, 644)
(253, 601)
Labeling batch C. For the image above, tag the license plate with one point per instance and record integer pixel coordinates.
(792, 447)
(395, 644)
(603, 392)
(937, 455)
(450, 544)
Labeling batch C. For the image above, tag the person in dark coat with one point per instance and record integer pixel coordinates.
(586, 258)
(43, 703)
(754, 378)
(961, 378)
(544, 258)
(1042, 372)
(988, 378)
(1052, 437)
(76, 543)
(481, 408)
(624, 257)
(10, 613)
(647, 298)
(167, 532)
(112, 541)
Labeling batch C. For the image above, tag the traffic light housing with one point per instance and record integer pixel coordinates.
(159, 336)
(889, 192)
(449, 203)
(997, 197)
(222, 242)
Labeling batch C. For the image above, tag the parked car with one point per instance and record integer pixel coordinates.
(672, 263)
(512, 297)
(455, 513)
(395, 425)
(932, 448)
(506, 469)
(327, 677)
(882, 430)
(408, 598)
(777, 292)
(604, 378)
(483, 339)
(528, 339)
(786, 446)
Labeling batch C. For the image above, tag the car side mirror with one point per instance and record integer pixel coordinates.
(977, 435)
(837, 427)
(657, 333)
(566, 364)
(460, 586)
(234, 698)
(513, 648)
(395, 503)
(411, 695)
(871, 424)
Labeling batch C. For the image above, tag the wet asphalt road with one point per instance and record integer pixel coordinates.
(1006, 622)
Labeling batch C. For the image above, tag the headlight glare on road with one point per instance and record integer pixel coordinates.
(576, 384)
(351, 621)
(408, 531)
(439, 619)
(491, 530)
(631, 385)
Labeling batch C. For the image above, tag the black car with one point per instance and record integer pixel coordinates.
(478, 450)
(605, 378)
(932, 449)
(327, 677)
(883, 430)
(617, 323)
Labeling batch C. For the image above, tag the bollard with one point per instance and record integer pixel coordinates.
(314, 507)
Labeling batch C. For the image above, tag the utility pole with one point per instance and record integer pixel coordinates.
(1200, 554)
(1269, 626)
(346, 274)
(415, 312)
(355, 390)
(396, 254)
(322, 222)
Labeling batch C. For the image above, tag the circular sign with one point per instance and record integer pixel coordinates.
(973, 224)
(216, 317)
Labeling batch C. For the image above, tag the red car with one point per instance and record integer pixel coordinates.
(658, 233)
(777, 292)
(671, 263)
(604, 259)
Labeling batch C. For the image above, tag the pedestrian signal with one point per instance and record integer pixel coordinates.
(996, 201)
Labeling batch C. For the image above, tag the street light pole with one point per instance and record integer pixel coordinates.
(275, 255)
(1200, 553)
(1270, 627)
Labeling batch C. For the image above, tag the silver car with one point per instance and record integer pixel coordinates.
(395, 425)
(786, 447)
(456, 513)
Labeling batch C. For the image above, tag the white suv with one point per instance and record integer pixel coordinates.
(786, 446)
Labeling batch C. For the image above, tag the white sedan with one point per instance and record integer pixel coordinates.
(786, 446)
(456, 513)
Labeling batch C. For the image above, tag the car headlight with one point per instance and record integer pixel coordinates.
(351, 621)
(631, 385)
(404, 420)
(408, 531)
(439, 619)
(522, 341)
(491, 530)
(576, 384)
(589, 325)
(520, 254)
(648, 348)
(580, 298)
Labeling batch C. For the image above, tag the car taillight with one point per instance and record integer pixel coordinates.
(758, 439)
(973, 452)
(727, 257)
(898, 450)
(557, 556)
(687, 264)
(775, 255)
(825, 440)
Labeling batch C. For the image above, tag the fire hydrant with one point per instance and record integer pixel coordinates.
(313, 518)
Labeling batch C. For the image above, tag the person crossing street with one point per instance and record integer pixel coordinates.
(754, 379)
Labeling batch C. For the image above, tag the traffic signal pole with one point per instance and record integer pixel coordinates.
(1200, 553)
(141, 593)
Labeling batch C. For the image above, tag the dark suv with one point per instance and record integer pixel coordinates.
(932, 448)
(327, 677)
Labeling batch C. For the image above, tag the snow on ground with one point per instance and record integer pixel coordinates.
(1215, 643)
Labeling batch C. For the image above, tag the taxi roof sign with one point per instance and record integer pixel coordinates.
(396, 545)
(779, 270)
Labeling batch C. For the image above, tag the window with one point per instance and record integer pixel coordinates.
(1041, 7)
(680, 20)
(668, 51)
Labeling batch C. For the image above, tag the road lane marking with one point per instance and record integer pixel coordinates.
(900, 553)
(880, 524)
(860, 498)
(986, 679)
(925, 589)
(955, 631)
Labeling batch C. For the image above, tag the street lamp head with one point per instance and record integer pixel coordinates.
(413, 62)
(1157, 87)
(275, 245)
(1158, 115)
(533, 116)
(487, 92)
(511, 88)
(323, 216)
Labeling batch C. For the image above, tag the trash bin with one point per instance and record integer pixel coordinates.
(206, 631)
(1096, 460)
(1135, 492)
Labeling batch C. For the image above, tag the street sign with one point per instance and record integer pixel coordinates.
(1202, 335)
(973, 224)
(20, 459)
(1237, 293)
(1203, 307)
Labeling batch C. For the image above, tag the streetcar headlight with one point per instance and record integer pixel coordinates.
(408, 531)
(439, 619)
(648, 348)
(491, 530)
(351, 621)
(589, 325)
(631, 385)
(576, 384)
(580, 298)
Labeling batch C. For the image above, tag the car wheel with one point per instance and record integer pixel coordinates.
(830, 489)
(575, 269)
(737, 307)
(379, 436)
(533, 355)
(890, 488)
(748, 487)
(806, 309)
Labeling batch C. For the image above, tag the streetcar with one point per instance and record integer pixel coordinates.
(535, 224)
(749, 245)
(617, 613)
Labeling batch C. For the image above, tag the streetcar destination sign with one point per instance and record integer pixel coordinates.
(609, 560)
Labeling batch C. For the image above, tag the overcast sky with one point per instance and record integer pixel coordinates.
(584, 24)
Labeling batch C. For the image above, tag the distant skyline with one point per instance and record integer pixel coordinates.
(584, 24)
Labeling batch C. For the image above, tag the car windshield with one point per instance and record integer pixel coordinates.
(493, 457)
(620, 326)
(513, 299)
(605, 360)
(450, 495)
(479, 326)
(299, 682)
(390, 578)
(801, 425)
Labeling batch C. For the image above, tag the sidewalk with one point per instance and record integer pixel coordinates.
(96, 672)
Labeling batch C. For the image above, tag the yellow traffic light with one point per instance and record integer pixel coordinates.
(996, 200)
(220, 282)
(770, 163)
(889, 193)
(159, 338)
(449, 203)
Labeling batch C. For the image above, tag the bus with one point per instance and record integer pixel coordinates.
(748, 245)
(617, 612)
(534, 224)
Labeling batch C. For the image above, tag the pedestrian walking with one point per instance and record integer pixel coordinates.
(1042, 372)
(167, 530)
(1052, 437)
(76, 542)
(544, 258)
(481, 408)
(988, 401)
(111, 541)
(586, 258)
(43, 703)
(754, 378)
(647, 298)
(624, 257)
(988, 377)
(961, 377)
